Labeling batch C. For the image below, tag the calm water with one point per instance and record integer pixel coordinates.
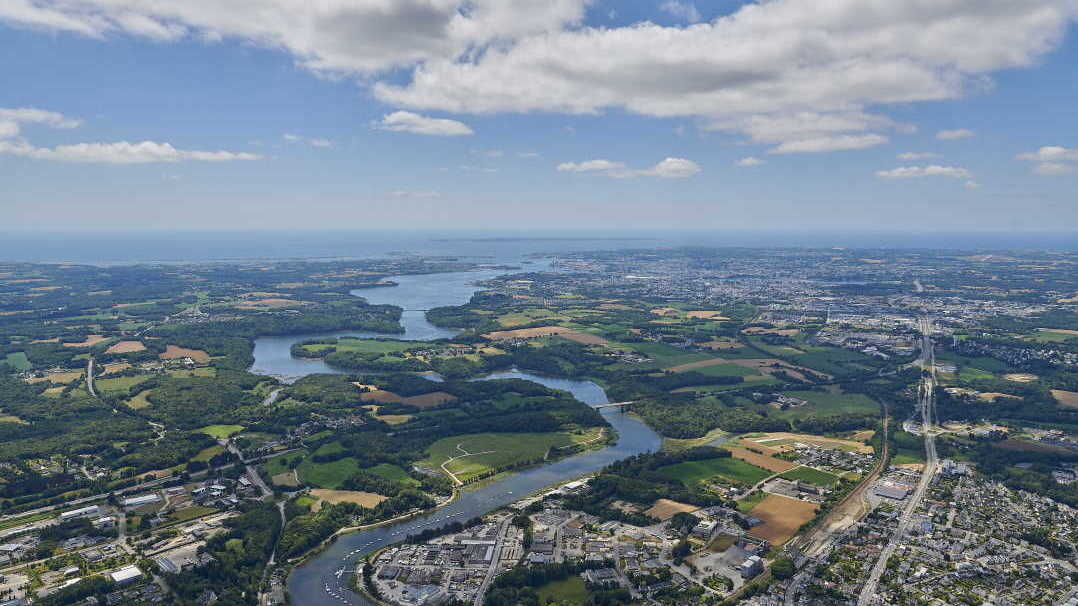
(316, 583)
(413, 293)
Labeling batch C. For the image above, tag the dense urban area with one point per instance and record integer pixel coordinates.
(838, 426)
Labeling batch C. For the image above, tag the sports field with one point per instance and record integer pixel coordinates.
(727, 468)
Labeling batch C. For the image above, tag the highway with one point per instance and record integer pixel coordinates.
(928, 422)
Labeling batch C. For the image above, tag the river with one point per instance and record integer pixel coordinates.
(317, 582)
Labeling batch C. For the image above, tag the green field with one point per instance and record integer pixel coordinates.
(280, 464)
(190, 513)
(1050, 336)
(186, 373)
(725, 370)
(664, 355)
(728, 468)
(570, 590)
(507, 449)
(984, 363)
(139, 401)
(826, 403)
(745, 505)
(220, 431)
(811, 476)
(383, 346)
(392, 472)
(208, 453)
(18, 361)
(330, 475)
(119, 384)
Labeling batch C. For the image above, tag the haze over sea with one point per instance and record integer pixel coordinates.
(179, 246)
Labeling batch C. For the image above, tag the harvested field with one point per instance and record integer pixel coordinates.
(427, 400)
(1058, 331)
(272, 303)
(363, 499)
(697, 365)
(707, 315)
(1067, 399)
(863, 436)
(1020, 377)
(90, 341)
(52, 340)
(115, 367)
(173, 352)
(664, 509)
(585, 338)
(123, 347)
(781, 516)
(664, 311)
(60, 378)
(527, 333)
(786, 439)
(759, 460)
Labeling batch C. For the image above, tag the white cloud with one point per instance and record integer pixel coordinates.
(1053, 160)
(341, 36)
(777, 61)
(749, 162)
(917, 156)
(971, 184)
(121, 152)
(829, 144)
(917, 172)
(409, 122)
(30, 115)
(681, 10)
(954, 135)
(759, 71)
(312, 141)
(416, 194)
(528, 154)
(668, 168)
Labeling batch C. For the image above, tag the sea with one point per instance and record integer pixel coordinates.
(156, 246)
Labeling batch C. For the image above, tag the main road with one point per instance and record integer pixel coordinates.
(928, 422)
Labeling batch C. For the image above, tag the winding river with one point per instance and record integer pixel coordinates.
(324, 578)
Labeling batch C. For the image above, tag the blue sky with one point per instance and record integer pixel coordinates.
(261, 114)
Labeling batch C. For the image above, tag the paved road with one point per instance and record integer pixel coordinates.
(495, 562)
(928, 423)
(90, 376)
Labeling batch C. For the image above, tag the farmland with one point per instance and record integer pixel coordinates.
(781, 517)
(727, 468)
(811, 476)
(504, 450)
